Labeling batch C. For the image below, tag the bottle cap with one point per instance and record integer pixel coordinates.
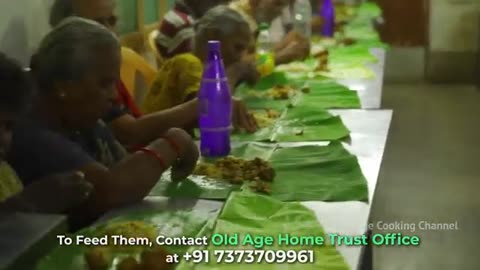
(214, 45)
(263, 26)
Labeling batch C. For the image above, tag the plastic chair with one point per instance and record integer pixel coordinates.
(132, 65)
(153, 47)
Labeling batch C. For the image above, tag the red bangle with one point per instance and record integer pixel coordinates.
(154, 155)
(173, 144)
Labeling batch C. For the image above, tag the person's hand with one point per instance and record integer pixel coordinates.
(57, 193)
(294, 51)
(243, 71)
(296, 48)
(242, 119)
(188, 154)
(291, 36)
(317, 24)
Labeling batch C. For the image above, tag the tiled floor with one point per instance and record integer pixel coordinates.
(431, 172)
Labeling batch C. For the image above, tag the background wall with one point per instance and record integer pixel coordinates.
(454, 40)
(128, 14)
(405, 28)
(406, 22)
(23, 23)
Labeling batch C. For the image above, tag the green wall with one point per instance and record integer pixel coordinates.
(127, 10)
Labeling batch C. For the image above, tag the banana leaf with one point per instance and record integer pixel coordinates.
(309, 123)
(307, 173)
(258, 102)
(300, 124)
(342, 72)
(324, 93)
(361, 32)
(328, 94)
(193, 187)
(315, 129)
(343, 63)
(328, 173)
(369, 9)
(373, 43)
(276, 78)
(351, 56)
(255, 103)
(206, 188)
(171, 224)
(247, 213)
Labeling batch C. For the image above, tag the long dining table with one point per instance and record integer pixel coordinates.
(30, 234)
(369, 128)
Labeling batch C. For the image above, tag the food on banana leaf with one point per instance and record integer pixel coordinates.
(348, 41)
(280, 92)
(266, 118)
(299, 132)
(327, 42)
(317, 49)
(277, 92)
(156, 259)
(322, 60)
(321, 54)
(98, 258)
(305, 89)
(262, 187)
(322, 66)
(237, 170)
(129, 264)
(295, 67)
(129, 229)
(344, 12)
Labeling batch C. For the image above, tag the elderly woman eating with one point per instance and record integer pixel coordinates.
(76, 69)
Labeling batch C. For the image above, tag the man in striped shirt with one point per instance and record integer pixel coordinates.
(177, 27)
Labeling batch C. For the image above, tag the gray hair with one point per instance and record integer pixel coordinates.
(67, 52)
(60, 10)
(220, 18)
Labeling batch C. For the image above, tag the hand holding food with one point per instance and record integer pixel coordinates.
(317, 24)
(290, 37)
(294, 47)
(322, 60)
(98, 258)
(188, 153)
(242, 118)
(294, 51)
(243, 72)
(43, 194)
(280, 92)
